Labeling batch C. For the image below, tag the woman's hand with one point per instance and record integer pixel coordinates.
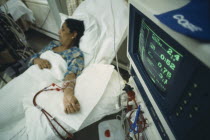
(42, 63)
(71, 104)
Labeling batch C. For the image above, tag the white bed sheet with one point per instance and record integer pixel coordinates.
(97, 90)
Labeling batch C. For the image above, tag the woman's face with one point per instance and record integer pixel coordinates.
(65, 36)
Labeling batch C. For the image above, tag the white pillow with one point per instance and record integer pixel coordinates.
(106, 25)
(112, 19)
(89, 40)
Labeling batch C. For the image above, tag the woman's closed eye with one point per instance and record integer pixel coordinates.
(62, 28)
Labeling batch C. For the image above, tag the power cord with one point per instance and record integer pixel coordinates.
(16, 30)
(114, 35)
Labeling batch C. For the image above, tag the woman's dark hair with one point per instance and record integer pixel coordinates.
(76, 26)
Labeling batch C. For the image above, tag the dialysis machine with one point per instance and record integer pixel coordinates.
(171, 73)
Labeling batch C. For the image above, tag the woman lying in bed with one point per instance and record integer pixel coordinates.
(59, 62)
(69, 35)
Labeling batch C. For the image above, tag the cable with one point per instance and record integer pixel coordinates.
(49, 117)
(20, 37)
(17, 32)
(137, 122)
(119, 74)
(122, 118)
(123, 112)
(114, 37)
(15, 26)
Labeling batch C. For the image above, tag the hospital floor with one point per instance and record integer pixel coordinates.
(37, 41)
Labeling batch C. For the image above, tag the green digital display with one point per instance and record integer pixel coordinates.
(160, 60)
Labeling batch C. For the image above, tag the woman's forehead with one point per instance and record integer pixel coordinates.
(65, 26)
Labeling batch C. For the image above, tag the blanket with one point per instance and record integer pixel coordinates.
(18, 115)
(26, 85)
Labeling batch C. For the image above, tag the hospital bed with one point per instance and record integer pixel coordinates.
(97, 88)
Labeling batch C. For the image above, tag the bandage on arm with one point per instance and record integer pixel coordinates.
(69, 83)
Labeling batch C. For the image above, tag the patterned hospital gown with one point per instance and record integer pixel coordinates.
(73, 56)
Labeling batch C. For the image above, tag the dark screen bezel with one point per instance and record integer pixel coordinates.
(165, 101)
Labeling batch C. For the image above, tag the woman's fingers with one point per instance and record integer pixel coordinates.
(45, 64)
(76, 106)
(66, 111)
(70, 109)
(71, 104)
(39, 66)
(42, 66)
(49, 66)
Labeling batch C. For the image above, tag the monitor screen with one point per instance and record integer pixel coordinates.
(159, 58)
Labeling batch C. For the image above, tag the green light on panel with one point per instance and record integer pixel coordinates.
(168, 75)
(172, 66)
(177, 57)
(160, 65)
(170, 51)
(152, 46)
(162, 56)
(157, 39)
(160, 75)
(165, 82)
(168, 62)
(165, 70)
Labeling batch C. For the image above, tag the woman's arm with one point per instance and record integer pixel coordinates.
(42, 63)
(36, 60)
(31, 62)
(74, 69)
(71, 104)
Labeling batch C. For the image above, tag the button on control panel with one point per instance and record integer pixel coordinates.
(195, 98)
